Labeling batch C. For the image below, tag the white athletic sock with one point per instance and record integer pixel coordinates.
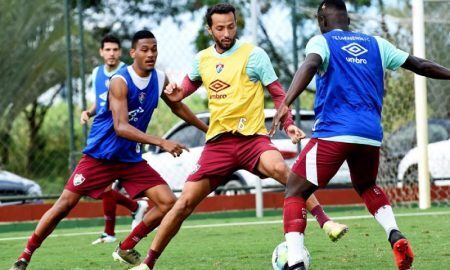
(294, 241)
(385, 216)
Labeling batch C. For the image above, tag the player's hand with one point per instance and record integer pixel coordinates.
(173, 92)
(295, 134)
(84, 117)
(172, 147)
(277, 119)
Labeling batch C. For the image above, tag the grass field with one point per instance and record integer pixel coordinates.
(240, 241)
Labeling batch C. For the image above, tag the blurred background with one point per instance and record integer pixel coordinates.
(41, 138)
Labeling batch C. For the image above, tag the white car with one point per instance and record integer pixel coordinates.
(14, 185)
(176, 170)
(438, 160)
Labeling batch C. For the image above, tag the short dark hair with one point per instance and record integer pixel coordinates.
(142, 34)
(338, 5)
(221, 8)
(110, 39)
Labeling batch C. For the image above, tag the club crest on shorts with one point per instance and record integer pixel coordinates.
(78, 179)
(219, 67)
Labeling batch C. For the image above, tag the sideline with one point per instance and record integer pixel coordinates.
(440, 213)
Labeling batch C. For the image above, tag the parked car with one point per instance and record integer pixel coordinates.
(438, 161)
(176, 170)
(398, 161)
(14, 185)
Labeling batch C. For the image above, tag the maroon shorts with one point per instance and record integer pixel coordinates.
(321, 159)
(92, 176)
(229, 153)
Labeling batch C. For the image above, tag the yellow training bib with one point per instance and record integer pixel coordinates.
(235, 102)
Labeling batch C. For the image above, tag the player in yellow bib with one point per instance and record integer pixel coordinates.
(235, 101)
(234, 73)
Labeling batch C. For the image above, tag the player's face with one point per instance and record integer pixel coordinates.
(223, 31)
(145, 54)
(111, 54)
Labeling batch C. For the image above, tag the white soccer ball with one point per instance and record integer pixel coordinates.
(280, 257)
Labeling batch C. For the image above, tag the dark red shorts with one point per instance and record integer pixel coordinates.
(321, 159)
(229, 153)
(92, 176)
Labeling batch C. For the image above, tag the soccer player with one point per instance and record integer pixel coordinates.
(234, 74)
(113, 149)
(110, 50)
(349, 68)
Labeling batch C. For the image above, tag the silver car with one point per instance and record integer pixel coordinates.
(14, 185)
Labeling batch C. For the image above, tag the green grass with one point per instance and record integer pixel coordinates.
(244, 246)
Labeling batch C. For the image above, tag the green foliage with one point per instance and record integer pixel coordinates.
(51, 163)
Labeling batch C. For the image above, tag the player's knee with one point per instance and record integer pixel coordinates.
(62, 207)
(184, 206)
(167, 205)
(280, 170)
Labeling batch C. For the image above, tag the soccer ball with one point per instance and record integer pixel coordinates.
(280, 257)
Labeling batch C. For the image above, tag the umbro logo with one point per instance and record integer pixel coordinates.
(218, 85)
(354, 49)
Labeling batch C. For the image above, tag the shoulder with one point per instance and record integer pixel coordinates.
(317, 40)
(161, 76)
(258, 54)
(95, 70)
(121, 74)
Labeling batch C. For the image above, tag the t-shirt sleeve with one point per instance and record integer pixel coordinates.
(319, 45)
(194, 74)
(392, 57)
(259, 67)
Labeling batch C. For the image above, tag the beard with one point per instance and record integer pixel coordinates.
(225, 46)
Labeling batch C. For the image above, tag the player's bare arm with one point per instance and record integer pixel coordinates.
(278, 95)
(302, 78)
(426, 68)
(183, 111)
(119, 108)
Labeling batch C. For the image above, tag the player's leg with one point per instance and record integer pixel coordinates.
(272, 164)
(137, 207)
(363, 164)
(193, 193)
(109, 211)
(298, 190)
(217, 162)
(46, 225)
(90, 177)
(314, 168)
(163, 199)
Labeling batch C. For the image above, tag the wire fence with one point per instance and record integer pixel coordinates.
(34, 139)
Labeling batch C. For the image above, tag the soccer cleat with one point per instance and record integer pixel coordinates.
(335, 230)
(104, 238)
(129, 256)
(142, 266)
(297, 266)
(139, 213)
(403, 254)
(20, 264)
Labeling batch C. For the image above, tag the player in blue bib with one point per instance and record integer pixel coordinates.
(349, 68)
(120, 128)
(110, 51)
